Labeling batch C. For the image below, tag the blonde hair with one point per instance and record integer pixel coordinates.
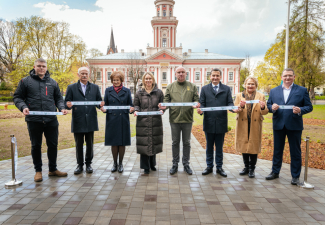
(253, 78)
(117, 74)
(144, 78)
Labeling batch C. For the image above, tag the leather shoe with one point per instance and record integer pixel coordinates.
(207, 171)
(153, 168)
(58, 173)
(146, 171)
(38, 177)
(79, 169)
(251, 173)
(173, 170)
(114, 168)
(188, 170)
(120, 168)
(222, 172)
(89, 169)
(272, 176)
(295, 181)
(244, 171)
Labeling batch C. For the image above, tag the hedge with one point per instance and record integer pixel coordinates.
(320, 97)
(6, 99)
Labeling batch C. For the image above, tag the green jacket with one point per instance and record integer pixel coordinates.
(181, 92)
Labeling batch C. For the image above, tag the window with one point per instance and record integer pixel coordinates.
(198, 89)
(197, 75)
(109, 76)
(164, 42)
(187, 75)
(158, 14)
(231, 88)
(99, 77)
(164, 13)
(164, 75)
(153, 73)
(100, 89)
(170, 13)
(208, 76)
(231, 75)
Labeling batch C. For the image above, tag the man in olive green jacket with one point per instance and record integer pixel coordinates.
(181, 117)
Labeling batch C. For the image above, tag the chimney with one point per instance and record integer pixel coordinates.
(140, 50)
(206, 51)
(190, 51)
(122, 50)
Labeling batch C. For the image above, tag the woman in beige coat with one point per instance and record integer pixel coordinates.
(249, 124)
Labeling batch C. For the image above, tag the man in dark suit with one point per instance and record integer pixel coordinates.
(288, 122)
(215, 123)
(84, 117)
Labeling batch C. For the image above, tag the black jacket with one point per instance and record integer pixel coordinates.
(84, 117)
(215, 121)
(38, 95)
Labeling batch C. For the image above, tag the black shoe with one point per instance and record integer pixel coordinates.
(79, 169)
(295, 181)
(244, 171)
(89, 169)
(251, 173)
(120, 168)
(207, 171)
(146, 171)
(272, 176)
(188, 170)
(222, 172)
(114, 168)
(153, 168)
(173, 170)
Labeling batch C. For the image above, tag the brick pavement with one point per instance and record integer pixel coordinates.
(158, 198)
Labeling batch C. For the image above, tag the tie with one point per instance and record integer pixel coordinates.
(215, 89)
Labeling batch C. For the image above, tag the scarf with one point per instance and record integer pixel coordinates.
(118, 89)
(249, 107)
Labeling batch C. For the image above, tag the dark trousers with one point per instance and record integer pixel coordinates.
(146, 162)
(51, 133)
(217, 140)
(250, 160)
(79, 139)
(294, 138)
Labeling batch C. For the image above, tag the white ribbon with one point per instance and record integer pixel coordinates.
(286, 106)
(42, 113)
(149, 113)
(86, 103)
(252, 101)
(219, 108)
(179, 104)
(117, 107)
(14, 140)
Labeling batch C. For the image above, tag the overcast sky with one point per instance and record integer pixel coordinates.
(229, 27)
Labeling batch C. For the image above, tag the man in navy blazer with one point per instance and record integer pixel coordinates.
(288, 122)
(215, 123)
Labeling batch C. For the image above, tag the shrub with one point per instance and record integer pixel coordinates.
(6, 99)
(320, 97)
(229, 128)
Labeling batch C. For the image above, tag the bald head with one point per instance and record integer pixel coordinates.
(180, 74)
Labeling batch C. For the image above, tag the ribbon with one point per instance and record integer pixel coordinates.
(42, 113)
(14, 141)
(286, 106)
(219, 108)
(179, 104)
(149, 113)
(252, 101)
(87, 103)
(117, 107)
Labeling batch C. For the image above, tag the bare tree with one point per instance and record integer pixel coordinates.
(246, 70)
(93, 73)
(94, 52)
(135, 68)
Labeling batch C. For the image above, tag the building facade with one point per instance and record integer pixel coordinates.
(164, 57)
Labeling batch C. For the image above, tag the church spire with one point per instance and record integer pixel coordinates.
(112, 48)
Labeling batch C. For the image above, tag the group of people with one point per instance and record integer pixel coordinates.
(288, 103)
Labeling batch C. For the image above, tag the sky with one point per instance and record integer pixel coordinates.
(229, 27)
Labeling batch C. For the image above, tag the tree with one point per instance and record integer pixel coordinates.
(135, 68)
(245, 71)
(94, 52)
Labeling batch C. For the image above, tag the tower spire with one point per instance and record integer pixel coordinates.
(112, 48)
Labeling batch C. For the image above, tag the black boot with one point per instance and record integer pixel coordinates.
(146, 171)
(120, 168)
(114, 168)
(244, 171)
(251, 173)
(79, 169)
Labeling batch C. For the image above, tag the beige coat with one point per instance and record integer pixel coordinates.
(253, 145)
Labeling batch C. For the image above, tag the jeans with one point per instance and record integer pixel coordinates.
(79, 139)
(217, 140)
(51, 133)
(176, 130)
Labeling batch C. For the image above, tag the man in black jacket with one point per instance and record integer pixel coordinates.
(39, 92)
(84, 117)
(215, 123)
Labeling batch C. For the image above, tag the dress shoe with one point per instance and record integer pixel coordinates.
(295, 181)
(188, 170)
(89, 169)
(114, 168)
(153, 168)
(58, 173)
(272, 176)
(173, 170)
(79, 169)
(222, 172)
(244, 171)
(207, 171)
(38, 177)
(120, 168)
(251, 173)
(146, 171)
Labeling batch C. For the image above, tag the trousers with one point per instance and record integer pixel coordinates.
(79, 139)
(178, 130)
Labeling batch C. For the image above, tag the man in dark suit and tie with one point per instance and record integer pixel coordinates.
(288, 122)
(215, 123)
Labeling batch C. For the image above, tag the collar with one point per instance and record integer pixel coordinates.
(284, 88)
(215, 85)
